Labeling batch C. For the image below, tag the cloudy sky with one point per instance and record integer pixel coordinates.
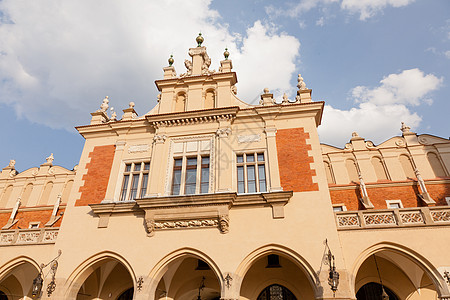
(374, 62)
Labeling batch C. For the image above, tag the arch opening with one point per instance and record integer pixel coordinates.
(188, 277)
(16, 281)
(400, 275)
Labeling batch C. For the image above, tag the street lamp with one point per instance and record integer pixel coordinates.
(38, 281)
(333, 275)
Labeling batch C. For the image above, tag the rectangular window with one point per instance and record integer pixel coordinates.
(190, 175)
(251, 173)
(135, 180)
(393, 204)
(339, 207)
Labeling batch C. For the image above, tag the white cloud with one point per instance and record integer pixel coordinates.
(365, 8)
(379, 111)
(58, 59)
(447, 54)
(368, 8)
(320, 22)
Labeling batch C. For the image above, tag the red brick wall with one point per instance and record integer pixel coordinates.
(379, 195)
(25, 217)
(294, 162)
(97, 177)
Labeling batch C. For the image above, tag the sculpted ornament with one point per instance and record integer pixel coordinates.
(50, 159)
(12, 163)
(104, 106)
(159, 138)
(424, 140)
(370, 145)
(150, 227)
(224, 224)
(188, 65)
(405, 129)
(400, 143)
(223, 132)
(300, 83)
(234, 89)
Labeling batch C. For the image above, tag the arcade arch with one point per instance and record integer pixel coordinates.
(404, 272)
(277, 266)
(16, 279)
(104, 276)
(185, 273)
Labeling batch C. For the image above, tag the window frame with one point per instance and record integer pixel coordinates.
(199, 167)
(141, 189)
(339, 205)
(256, 163)
(390, 202)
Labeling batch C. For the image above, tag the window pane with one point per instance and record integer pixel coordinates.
(123, 194)
(337, 208)
(204, 185)
(144, 185)
(250, 157)
(176, 182)
(137, 167)
(178, 162)
(147, 166)
(240, 175)
(240, 158)
(251, 179)
(192, 161)
(260, 156)
(127, 167)
(134, 185)
(262, 178)
(191, 181)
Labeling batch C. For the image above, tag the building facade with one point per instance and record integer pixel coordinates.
(208, 197)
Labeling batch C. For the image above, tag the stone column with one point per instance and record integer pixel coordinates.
(272, 158)
(224, 155)
(156, 180)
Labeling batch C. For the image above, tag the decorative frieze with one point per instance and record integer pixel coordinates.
(392, 218)
(28, 236)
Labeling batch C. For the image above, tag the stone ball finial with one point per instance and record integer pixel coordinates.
(131, 104)
(266, 90)
(355, 134)
(170, 60)
(226, 54)
(199, 40)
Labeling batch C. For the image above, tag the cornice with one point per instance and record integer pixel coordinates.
(387, 184)
(193, 78)
(32, 208)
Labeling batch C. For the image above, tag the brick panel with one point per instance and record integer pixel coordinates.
(97, 176)
(379, 195)
(294, 162)
(25, 217)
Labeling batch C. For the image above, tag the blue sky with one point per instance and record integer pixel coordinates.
(375, 63)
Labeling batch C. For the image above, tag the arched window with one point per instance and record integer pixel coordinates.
(210, 99)
(436, 165)
(329, 172)
(180, 102)
(407, 166)
(379, 168)
(373, 290)
(26, 194)
(66, 192)
(46, 194)
(351, 170)
(5, 196)
(3, 296)
(276, 292)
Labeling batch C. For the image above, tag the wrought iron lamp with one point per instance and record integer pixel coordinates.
(333, 275)
(38, 281)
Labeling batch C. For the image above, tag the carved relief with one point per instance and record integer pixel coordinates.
(159, 138)
(187, 224)
(223, 132)
(251, 138)
(224, 223)
(424, 141)
(400, 143)
(139, 148)
(150, 227)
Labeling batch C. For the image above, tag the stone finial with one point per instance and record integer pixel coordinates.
(266, 90)
(300, 83)
(171, 60)
(355, 134)
(285, 99)
(104, 106)
(50, 159)
(113, 115)
(199, 40)
(266, 98)
(226, 54)
(12, 163)
(131, 104)
(405, 129)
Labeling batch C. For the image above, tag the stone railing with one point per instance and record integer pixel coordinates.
(386, 218)
(28, 236)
